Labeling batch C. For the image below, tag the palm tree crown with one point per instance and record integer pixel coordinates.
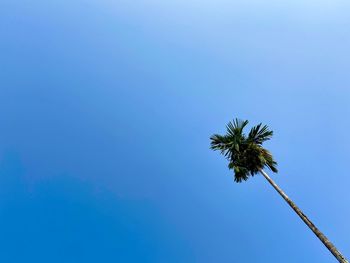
(245, 154)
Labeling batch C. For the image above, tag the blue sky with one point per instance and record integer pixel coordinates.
(106, 109)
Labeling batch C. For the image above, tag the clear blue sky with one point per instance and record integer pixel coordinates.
(106, 108)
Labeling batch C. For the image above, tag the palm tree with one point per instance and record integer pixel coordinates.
(247, 158)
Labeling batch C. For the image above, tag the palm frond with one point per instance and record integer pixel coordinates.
(235, 128)
(259, 134)
(220, 142)
(270, 162)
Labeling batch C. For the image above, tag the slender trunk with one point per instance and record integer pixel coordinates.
(314, 229)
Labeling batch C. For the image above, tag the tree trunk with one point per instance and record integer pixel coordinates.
(314, 229)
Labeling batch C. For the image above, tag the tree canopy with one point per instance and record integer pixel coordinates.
(245, 153)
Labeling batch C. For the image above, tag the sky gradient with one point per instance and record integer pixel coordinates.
(106, 109)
